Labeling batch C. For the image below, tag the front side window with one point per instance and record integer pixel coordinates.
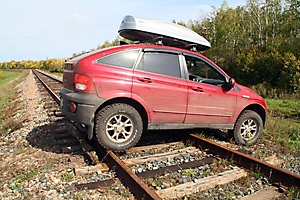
(200, 71)
(160, 63)
(125, 59)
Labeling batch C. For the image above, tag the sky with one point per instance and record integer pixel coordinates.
(46, 29)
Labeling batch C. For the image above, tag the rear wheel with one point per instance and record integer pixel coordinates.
(248, 128)
(118, 127)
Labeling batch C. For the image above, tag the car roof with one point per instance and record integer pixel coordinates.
(114, 49)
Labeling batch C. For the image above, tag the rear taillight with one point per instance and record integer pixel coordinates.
(83, 83)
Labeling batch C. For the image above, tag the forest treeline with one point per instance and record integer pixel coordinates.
(257, 44)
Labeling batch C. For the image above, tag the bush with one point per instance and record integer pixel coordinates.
(290, 75)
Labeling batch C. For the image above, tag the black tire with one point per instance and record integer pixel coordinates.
(248, 128)
(118, 127)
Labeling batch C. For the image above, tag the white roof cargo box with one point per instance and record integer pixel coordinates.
(170, 34)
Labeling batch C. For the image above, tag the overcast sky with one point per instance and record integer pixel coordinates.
(45, 29)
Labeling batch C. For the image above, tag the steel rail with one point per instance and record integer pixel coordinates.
(125, 174)
(275, 173)
(55, 97)
(53, 78)
(135, 184)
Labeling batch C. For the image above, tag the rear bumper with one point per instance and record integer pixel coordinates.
(87, 104)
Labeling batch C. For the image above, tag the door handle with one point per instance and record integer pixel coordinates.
(198, 89)
(144, 79)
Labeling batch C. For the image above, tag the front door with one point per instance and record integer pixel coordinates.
(209, 103)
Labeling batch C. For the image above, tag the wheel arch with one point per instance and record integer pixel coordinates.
(139, 107)
(258, 109)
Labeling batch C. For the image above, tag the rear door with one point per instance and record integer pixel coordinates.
(158, 82)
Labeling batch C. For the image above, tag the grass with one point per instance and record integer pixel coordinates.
(68, 176)
(77, 196)
(23, 177)
(157, 182)
(283, 126)
(6, 84)
(7, 76)
(261, 153)
(294, 193)
(257, 175)
(287, 108)
(20, 151)
(285, 132)
(8, 92)
(189, 172)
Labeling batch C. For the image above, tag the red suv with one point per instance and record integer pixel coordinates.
(119, 92)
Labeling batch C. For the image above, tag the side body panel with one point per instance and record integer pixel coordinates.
(158, 81)
(112, 81)
(166, 96)
(209, 104)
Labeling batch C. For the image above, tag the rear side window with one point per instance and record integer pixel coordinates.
(160, 63)
(123, 59)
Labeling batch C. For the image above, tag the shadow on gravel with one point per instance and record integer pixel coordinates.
(165, 136)
(53, 137)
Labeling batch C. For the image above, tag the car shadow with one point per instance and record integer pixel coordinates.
(54, 137)
(153, 137)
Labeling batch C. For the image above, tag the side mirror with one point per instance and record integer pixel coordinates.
(231, 83)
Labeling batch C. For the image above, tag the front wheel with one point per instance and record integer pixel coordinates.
(248, 128)
(118, 127)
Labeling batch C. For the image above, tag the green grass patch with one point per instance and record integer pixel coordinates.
(8, 92)
(8, 76)
(68, 176)
(257, 175)
(20, 151)
(285, 132)
(6, 85)
(27, 176)
(23, 177)
(283, 125)
(288, 108)
(189, 172)
(294, 193)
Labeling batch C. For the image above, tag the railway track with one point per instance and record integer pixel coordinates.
(184, 165)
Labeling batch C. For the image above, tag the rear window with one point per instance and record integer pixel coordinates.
(160, 63)
(125, 59)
